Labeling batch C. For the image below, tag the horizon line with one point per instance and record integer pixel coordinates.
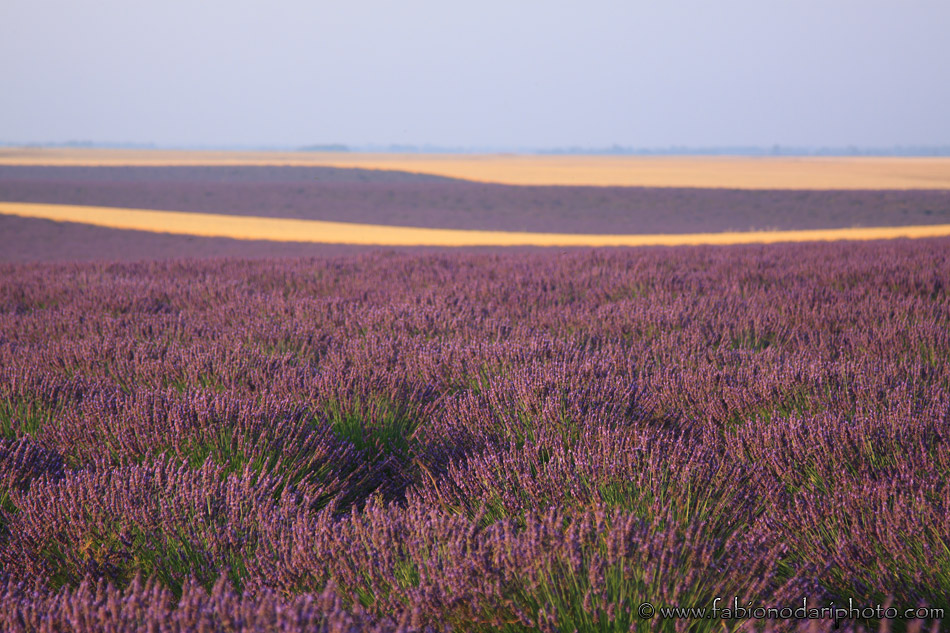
(775, 149)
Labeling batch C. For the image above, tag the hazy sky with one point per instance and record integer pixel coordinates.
(493, 73)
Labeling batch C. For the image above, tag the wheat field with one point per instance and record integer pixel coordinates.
(515, 169)
(317, 231)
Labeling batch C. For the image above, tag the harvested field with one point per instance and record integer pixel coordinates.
(673, 171)
(318, 231)
(34, 240)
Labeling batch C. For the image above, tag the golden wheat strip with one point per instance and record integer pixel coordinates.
(318, 231)
(738, 172)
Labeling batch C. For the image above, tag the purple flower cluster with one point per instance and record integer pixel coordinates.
(475, 442)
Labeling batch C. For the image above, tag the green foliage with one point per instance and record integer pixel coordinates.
(376, 425)
(24, 416)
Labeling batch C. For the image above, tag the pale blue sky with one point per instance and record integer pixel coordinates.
(493, 73)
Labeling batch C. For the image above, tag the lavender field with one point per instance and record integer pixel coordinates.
(475, 442)
(406, 199)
